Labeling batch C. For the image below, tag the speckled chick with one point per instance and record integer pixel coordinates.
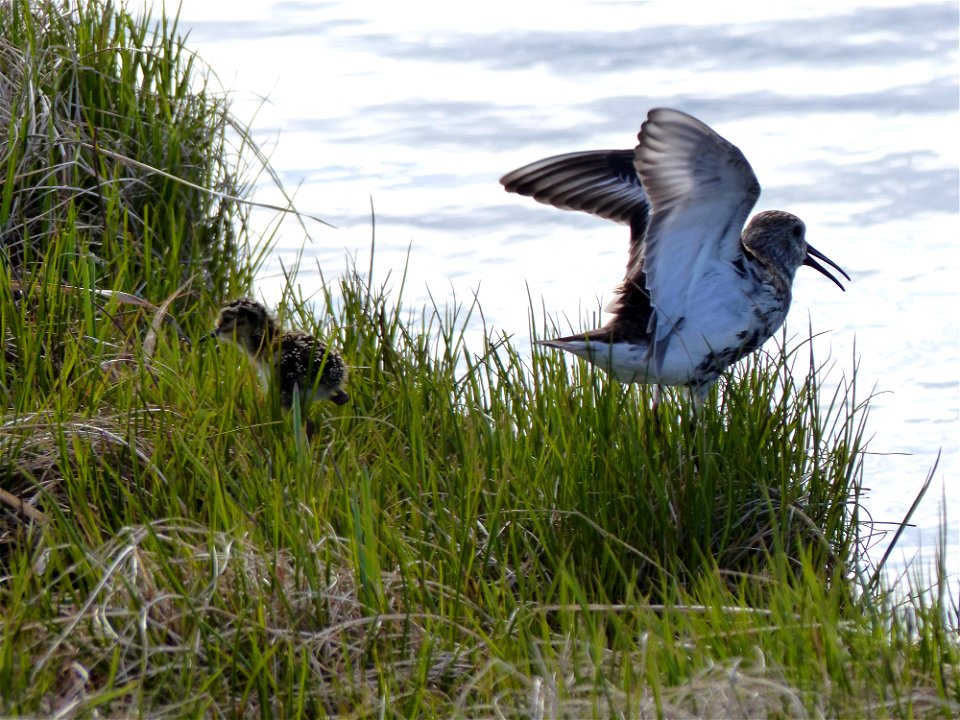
(296, 360)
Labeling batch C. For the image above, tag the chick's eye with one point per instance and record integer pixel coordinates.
(797, 230)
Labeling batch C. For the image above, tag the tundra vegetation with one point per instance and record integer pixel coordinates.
(480, 532)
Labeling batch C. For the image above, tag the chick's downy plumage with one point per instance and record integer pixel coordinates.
(296, 361)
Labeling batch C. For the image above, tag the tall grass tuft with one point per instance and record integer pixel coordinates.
(112, 136)
(582, 475)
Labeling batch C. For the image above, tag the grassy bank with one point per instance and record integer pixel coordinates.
(476, 533)
(479, 533)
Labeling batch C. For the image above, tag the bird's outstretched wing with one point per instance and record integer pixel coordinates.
(600, 182)
(701, 190)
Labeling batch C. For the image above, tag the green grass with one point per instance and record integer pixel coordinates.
(111, 130)
(480, 532)
(474, 533)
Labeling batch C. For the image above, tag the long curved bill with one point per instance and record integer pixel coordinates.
(812, 253)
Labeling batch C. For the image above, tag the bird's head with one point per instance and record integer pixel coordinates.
(248, 323)
(779, 238)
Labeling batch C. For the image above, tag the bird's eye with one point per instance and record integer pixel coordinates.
(797, 230)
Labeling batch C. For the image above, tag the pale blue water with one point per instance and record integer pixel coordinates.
(849, 118)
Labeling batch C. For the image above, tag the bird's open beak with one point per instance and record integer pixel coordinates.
(812, 253)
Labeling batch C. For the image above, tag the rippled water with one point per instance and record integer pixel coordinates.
(849, 118)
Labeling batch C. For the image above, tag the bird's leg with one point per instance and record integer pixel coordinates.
(656, 408)
(698, 397)
(656, 398)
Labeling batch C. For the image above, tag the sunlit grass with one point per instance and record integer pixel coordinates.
(480, 532)
(113, 134)
(473, 531)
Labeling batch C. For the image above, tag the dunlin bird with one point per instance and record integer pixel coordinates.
(299, 363)
(701, 291)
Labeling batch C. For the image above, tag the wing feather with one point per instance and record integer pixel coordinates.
(599, 182)
(701, 190)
